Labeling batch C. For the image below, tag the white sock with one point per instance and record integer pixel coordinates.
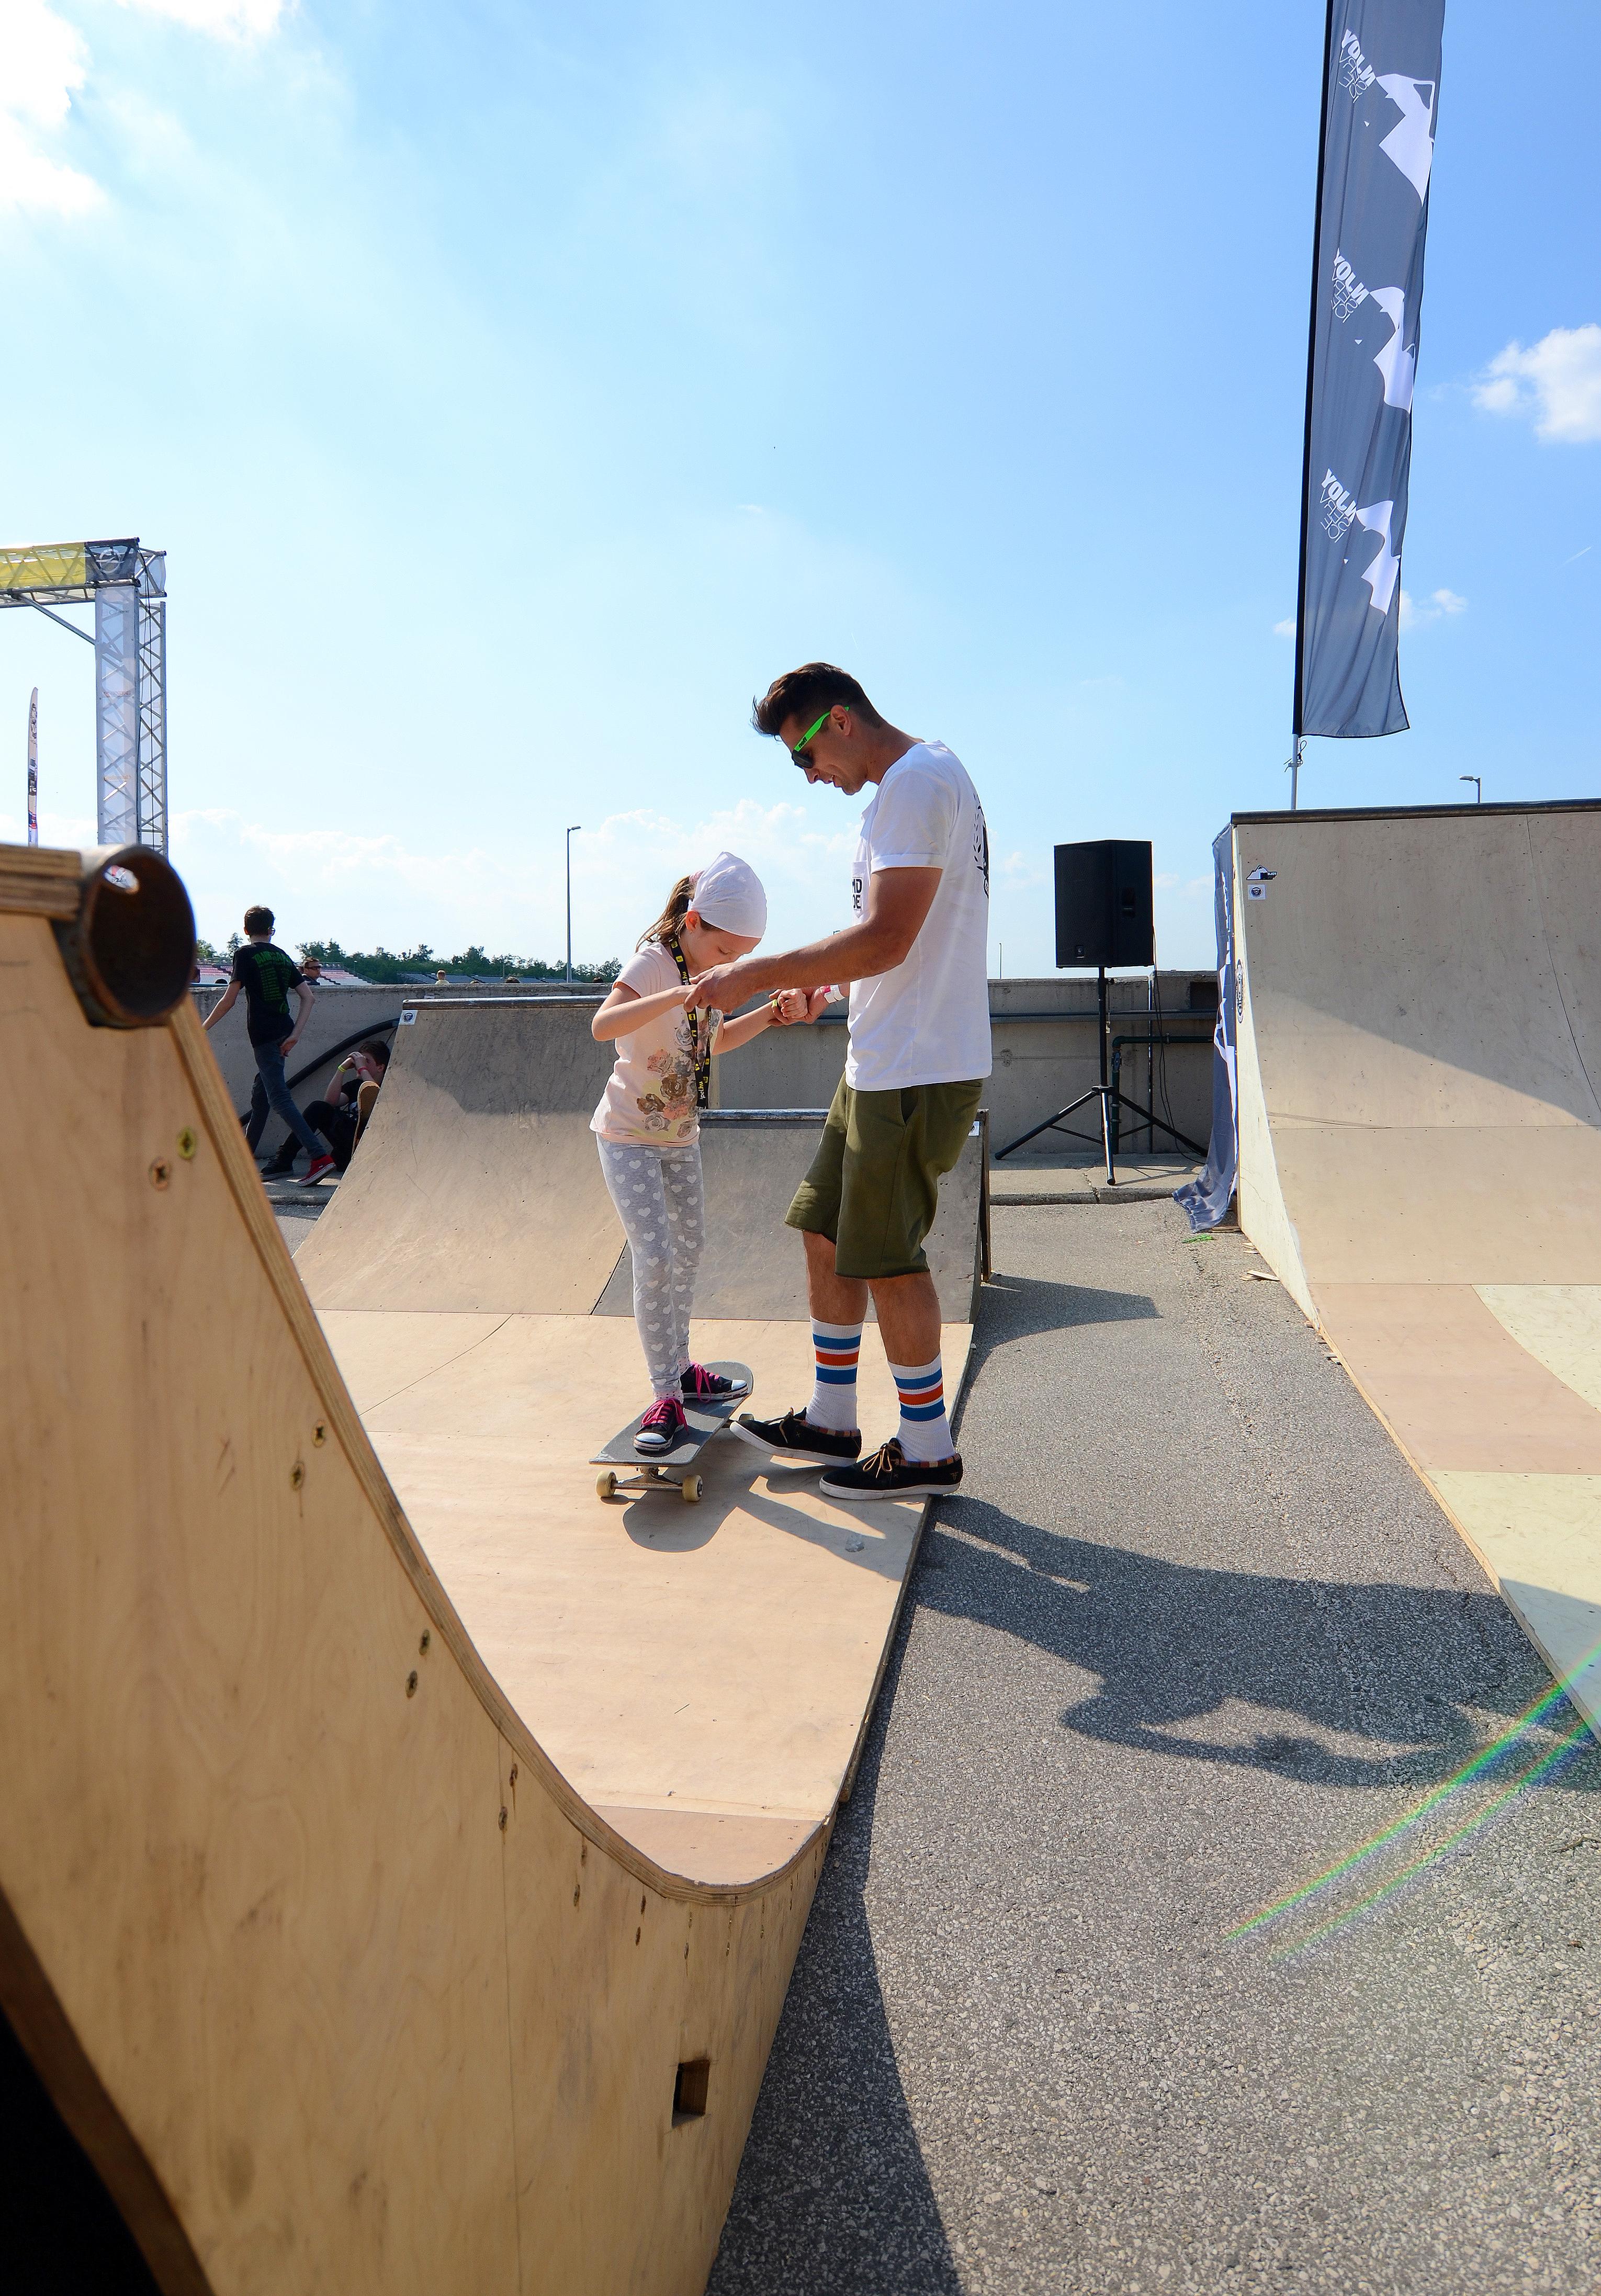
(833, 1404)
(925, 1429)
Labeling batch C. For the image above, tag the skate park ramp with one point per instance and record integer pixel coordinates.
(478, 1187)
(1419, 1059)
(404, 1854)
(753, 1161)
(473, 1280)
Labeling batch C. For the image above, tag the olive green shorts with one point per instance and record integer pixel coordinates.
(874, 1184)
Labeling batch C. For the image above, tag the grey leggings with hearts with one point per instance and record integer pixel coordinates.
(659, 1200)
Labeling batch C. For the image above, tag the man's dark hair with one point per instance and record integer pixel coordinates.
(375, 1049)
(260, 920)
(806, 694)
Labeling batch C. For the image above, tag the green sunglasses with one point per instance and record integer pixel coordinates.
(810, 734)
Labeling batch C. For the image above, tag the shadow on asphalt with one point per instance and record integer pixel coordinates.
(1015, 1306)
(1389, 1666)
(833, 2198)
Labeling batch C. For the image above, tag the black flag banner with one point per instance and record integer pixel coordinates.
(1381, 94)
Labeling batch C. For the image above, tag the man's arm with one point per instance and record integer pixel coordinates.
(225, 1004)
(899, 901)
(305, 1000)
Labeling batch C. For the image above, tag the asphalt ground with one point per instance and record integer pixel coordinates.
(1191, 1637)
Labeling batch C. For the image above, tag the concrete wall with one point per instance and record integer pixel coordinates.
(1045, 1051)
(1043, 1043)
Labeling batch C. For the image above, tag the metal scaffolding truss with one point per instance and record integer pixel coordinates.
(126, 586)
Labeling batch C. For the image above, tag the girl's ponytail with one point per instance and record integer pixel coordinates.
(671, 920)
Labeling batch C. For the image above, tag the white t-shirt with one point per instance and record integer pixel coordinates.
(927, 1020)
(650, 1094)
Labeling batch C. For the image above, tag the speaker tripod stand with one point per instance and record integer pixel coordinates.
(1109, 1098)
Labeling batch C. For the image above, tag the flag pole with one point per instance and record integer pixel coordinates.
(33, 768)
(1297, 745)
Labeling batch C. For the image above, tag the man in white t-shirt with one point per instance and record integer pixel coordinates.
(916, 959)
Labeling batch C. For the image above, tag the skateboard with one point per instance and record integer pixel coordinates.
(672, 1470)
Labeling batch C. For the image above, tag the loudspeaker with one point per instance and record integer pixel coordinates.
(1103, 903)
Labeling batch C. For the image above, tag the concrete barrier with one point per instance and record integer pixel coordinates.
(1044, 1048)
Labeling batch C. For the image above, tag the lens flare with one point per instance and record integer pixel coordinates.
(1539, 1715)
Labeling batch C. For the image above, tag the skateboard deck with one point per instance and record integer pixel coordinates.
(672, 1470)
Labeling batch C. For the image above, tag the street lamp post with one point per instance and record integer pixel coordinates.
(1478, 782)
(576, 825)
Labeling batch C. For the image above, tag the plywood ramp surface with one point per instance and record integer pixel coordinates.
(754, 1267)
(1420, 1158)
(478, 1188)
(336, 1972)
(719, 1657)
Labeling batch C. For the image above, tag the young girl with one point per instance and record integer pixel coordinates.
(647, 1122)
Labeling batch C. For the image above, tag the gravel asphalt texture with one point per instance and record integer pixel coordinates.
(1192, 1635)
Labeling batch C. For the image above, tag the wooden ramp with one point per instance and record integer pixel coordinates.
(402, 1871)
(1420, 1158)
(478, 1185)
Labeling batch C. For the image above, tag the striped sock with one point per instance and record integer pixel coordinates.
(924, 1430)
(834, 1398)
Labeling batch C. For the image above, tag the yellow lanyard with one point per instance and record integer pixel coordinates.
(699, 1054)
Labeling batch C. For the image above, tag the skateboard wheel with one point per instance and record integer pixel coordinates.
(605, 1485)
(690, 1488)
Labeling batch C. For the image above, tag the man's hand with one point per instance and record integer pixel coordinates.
(286, 1044)
(723, 988)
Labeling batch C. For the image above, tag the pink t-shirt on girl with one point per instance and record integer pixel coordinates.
(650, 1094)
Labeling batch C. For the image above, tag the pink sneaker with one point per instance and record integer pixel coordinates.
(660, 1428)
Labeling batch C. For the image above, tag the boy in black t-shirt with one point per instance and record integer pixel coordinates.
(268, 977)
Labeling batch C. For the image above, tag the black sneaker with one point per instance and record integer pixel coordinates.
(663, 1428)
(792, 1437)
(890, 1475)
(704, 1386)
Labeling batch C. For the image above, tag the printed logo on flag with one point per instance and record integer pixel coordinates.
(1349, 290)
(1339, 507)
(1356, 74)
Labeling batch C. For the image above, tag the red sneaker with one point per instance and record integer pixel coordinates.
(660, 1428)
(318, 1170)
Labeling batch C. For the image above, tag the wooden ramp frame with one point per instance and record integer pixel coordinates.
(342, 1980)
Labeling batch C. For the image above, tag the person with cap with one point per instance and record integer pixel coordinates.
(913, 958)
(647, 1125)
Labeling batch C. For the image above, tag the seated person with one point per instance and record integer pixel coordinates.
(341, 1118)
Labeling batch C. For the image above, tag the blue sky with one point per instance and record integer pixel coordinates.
(516, 391)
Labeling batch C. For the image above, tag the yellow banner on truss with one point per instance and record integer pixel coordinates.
(46, 566)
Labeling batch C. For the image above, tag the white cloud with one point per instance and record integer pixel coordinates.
(42, 63)
(67, 832)
(361, 891)
(1287, 628)
(226, 20)
(1433, 609)
(1558, 381)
